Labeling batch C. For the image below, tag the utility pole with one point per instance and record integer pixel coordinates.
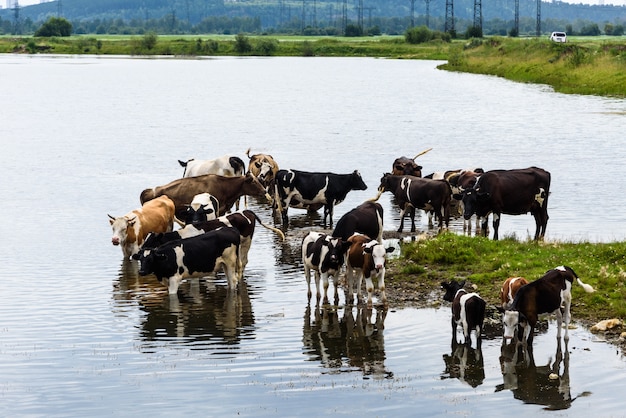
(478, 14)
(538, 18)
(516, 27)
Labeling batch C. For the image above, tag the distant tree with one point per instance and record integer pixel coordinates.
(418, 35)
(353, 30)
(474, 32)
(55, 26)
(618, 30)
(608, 29)
(590, 30)
(242, 44)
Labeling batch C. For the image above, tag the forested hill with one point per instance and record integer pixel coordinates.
(277, 13)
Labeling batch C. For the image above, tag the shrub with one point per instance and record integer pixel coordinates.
(149, 41)
(242, 44)
(55, 26)
(418, 35)
(266, 47)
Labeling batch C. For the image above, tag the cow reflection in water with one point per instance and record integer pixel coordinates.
(465, 363)
(347, 342)
(204, 311)
(547, 385)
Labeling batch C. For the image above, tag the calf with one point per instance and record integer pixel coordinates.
(545, 295)
(414, 192)
(509, 290)
(226, 165)
(302, 189)
(324, 255)
(367, 218)
(366, 257)
(191, 257)
(130, 230)
(203, 207)
(468, 310)
(243, 221)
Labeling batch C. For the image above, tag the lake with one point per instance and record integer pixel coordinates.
(81, 334)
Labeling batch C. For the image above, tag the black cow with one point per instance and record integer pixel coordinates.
(512, 192)
(468, 310)
(244, 221)
(415, 192)
(405, 166)
(367, 218)
(301, 189)
(325, 256)
(190, 257)
(545, 295)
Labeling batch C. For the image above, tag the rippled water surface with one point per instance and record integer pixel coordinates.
(81, 334)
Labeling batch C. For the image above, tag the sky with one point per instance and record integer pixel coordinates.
(615, 2)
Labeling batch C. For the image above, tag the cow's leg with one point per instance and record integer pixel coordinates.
(336, 286)
(359, 283)
(172, 284)
(567, 303)
(454, 340)
(496, 225)
(369, 285)
(402, 213)
(230, 271)
(412, 215)
(350, 284)
(325, 285)
(381, 288)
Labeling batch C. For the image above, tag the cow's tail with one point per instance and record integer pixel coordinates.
(248, 152)
(271, 228)
(374, 199)
(585, 286)
(179, 222)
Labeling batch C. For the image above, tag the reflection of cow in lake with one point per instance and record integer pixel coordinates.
(204, 312)
(347, 342)
(465, 363)
(547, 385)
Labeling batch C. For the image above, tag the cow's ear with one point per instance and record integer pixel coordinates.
(135, 256)
(457, 196)
(390, 249)
(367, 249)
(483, 195)
(445, 285)
(500, 309)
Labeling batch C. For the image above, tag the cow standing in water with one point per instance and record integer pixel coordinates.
(468, 310)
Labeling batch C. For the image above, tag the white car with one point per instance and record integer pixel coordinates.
(558, 37)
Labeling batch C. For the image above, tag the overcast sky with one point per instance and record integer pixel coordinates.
(616, 2)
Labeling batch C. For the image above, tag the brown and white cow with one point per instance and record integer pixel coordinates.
(468, 310)
(415, 192)
(365, 257)
(509, 290)
(264, 167)
(227, 190)
(226, 165)
(130, 230)
(545, 295)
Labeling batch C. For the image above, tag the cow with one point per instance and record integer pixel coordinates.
(509, 290)
(365, 257)
(263, 167)
(301, 188)
(512, 192)
(325, 256)
(226, 190)
(130, 230)
(202, 254)
(244, 221)
(203, 207)
(415, 192)
(226, 165)
(404, 166)
(545, 295)
(468, 310)
(367, 218)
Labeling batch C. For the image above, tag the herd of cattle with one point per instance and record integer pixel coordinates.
(211, 238)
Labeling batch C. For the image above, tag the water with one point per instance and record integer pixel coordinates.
(82, 334)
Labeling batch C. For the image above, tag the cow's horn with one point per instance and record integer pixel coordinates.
(112, 217)
(422, 153)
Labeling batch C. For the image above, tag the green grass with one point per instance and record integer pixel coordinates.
(487, 263)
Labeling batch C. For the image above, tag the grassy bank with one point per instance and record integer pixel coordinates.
(586, 66)
(486, 264)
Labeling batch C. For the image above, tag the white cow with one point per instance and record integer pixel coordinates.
(227, 165)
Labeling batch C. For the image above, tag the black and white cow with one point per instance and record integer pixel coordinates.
(468, 310)
(512, 192)
(367, 219)
(203, 207)
(325, 256)
(545, 295)
(416, 192)
(244, 221)
(301, 189)
(207, 253)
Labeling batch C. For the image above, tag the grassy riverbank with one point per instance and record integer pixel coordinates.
(591, 65)
(485, 264)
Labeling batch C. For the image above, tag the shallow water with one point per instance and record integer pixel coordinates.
(82, 334)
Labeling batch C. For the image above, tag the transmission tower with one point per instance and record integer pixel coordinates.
(344, 16)
(59, 8)
(538, 18)
(428, 13)
(449, 26)
(516, 18)
(478, 14)
(412, 13)
(360, 16)
(17, 30)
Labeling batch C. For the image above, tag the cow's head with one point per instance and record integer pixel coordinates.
(405, 166)
(203, 207)
(120, 226)
(451, 288)
(336, 251)
(356, 181)
(378, 253)
(511, 321)
(147, 259)
(263, 168)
